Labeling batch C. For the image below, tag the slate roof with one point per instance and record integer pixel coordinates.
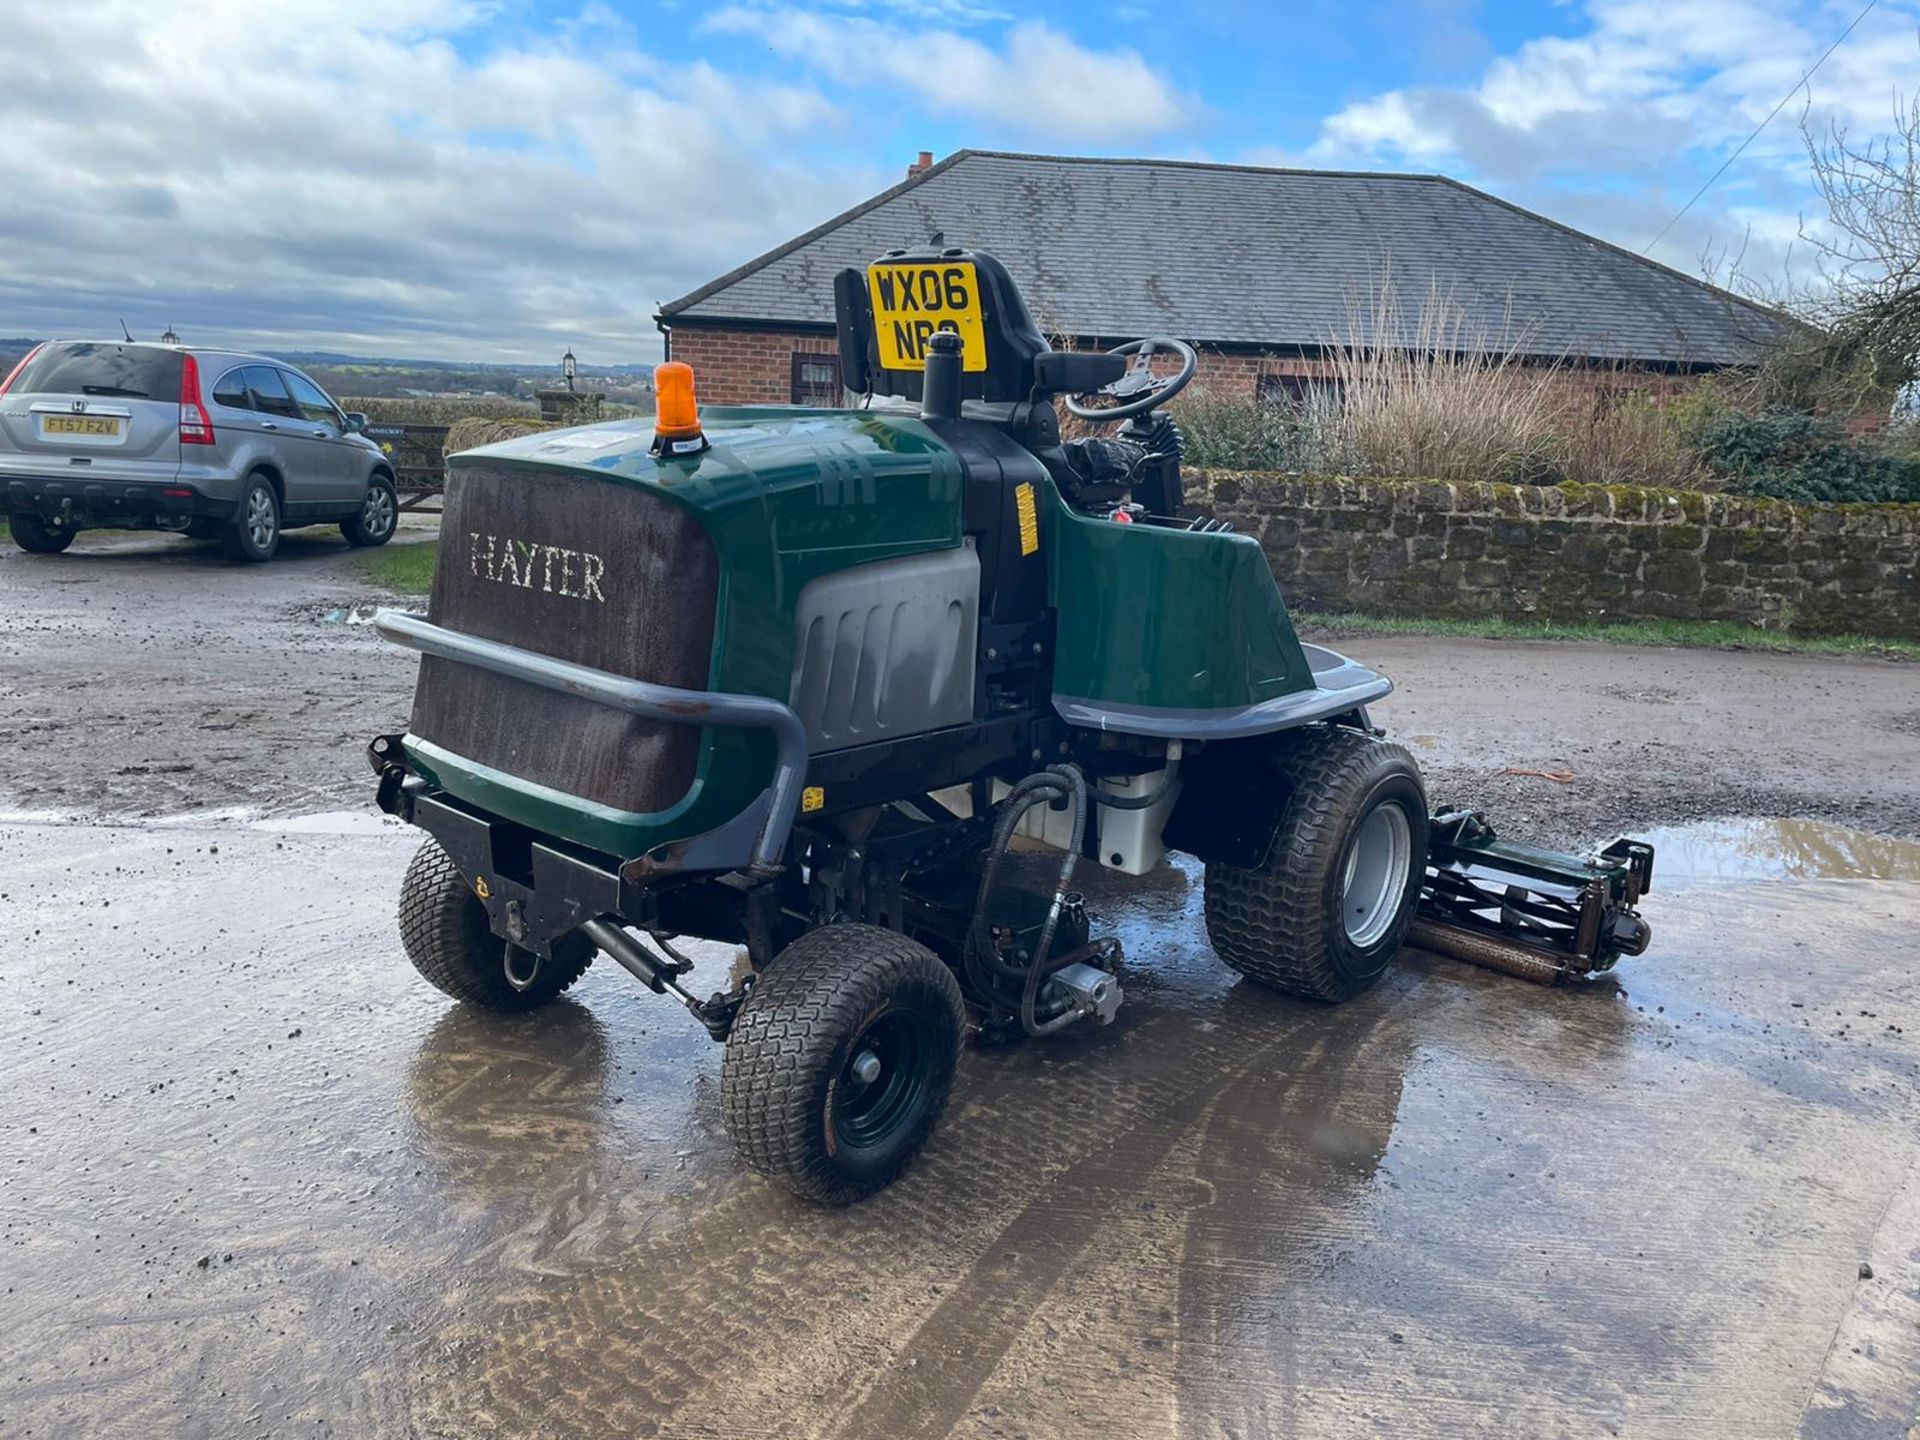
(1241, 255)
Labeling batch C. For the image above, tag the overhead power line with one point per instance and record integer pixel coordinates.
(1758, 128)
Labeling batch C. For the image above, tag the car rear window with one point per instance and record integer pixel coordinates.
(74, 367)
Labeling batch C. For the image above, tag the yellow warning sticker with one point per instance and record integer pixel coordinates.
(1029, 519)
(813, 798)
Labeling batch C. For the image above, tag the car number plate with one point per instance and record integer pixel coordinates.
(911, 302)
(92, 427)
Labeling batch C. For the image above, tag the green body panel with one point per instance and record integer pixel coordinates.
(786, 495)
(1164, 618)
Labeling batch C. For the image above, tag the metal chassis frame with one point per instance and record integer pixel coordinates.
(665, 703)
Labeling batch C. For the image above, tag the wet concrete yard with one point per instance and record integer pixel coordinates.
(261, 1180)
(256, 1178)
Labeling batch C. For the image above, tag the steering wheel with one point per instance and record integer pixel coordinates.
(1139, 390)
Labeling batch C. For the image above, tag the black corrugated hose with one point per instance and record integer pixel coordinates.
(984, 967)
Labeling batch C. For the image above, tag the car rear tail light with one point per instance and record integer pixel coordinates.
(14, 374)
(195, 427)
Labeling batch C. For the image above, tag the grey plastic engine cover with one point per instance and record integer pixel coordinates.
(887, 649)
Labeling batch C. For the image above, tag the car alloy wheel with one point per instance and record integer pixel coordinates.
(376, 519)
(262, 522)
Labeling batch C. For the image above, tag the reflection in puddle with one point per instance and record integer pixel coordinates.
(332, 822)
(361, 614)
(1778, 850)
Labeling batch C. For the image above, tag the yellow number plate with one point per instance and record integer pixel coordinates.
(910, 302)
(79, 425)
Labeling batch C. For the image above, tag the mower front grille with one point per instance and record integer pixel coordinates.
(598, 572)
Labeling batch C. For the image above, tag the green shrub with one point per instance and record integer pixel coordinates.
(1239, 433)
(1794, 455)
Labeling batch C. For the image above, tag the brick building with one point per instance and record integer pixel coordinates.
(1262, 269)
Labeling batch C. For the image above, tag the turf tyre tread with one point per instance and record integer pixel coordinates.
(792, 1036)
(443, 927)
(1275, 924)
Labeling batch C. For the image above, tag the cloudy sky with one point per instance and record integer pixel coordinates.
(500, 179)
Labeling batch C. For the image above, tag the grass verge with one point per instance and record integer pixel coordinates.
(1695, 634)
(401, 569)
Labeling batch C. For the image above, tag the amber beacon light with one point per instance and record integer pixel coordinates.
(676, 415)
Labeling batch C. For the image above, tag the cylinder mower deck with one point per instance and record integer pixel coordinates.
(806, 681)
(1545, 917)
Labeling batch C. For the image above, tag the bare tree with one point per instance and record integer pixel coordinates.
(1858, 346)
(1869, 249)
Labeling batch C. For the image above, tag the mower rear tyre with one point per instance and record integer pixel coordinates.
(443, 926)
(1326, 912)
(840, 1061)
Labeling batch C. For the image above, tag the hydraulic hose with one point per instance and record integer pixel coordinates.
(1029, 1022)
(1135, 802)
(1143, 802)
(981, 961)
(985, 968)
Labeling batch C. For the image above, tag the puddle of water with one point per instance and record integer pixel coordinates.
(1778, 850)
(332, 822)
(361, 614)
(183, 820)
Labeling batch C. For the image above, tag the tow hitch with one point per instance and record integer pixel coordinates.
(1545, 917)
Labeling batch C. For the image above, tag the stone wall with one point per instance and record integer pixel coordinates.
(1576, 552)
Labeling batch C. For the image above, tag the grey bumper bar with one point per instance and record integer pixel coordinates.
(636, 697)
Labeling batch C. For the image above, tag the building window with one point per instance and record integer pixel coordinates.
(1292, 392)
(816, 378)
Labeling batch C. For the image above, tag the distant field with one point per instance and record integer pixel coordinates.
(439, 410)
(445, 410)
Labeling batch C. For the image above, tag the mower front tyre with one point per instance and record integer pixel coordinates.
(443, 926)
(840, 1061)
(1323, 917)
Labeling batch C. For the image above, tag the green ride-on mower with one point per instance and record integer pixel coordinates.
(799, 679)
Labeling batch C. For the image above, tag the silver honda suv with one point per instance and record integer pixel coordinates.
(209, 443)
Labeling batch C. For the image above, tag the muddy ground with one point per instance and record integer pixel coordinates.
(257, 1179)
(142, 677)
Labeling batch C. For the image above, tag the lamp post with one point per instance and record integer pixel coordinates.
(568, 367)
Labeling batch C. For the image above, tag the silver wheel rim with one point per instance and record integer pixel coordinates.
(1376, 878)
(261, 520)
(377, 518)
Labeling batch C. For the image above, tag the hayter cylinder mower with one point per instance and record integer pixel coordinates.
(798, 679)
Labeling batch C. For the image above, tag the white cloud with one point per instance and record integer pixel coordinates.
(1042, 83)
(369, 175)
(1622, 121)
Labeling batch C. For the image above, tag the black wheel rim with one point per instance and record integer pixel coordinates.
(882, 1082)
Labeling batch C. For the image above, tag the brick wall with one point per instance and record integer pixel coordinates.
(755, 367)
(1576, 552)
(746, 367)
(1239, 375)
